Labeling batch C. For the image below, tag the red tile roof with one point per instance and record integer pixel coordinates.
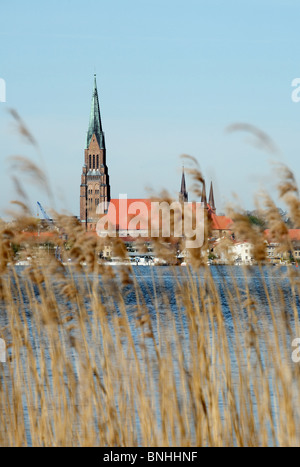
(122, 220)
(121, 212)
(220, 222)
(294, 234)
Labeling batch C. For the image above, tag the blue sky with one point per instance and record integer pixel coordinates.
(172, 75)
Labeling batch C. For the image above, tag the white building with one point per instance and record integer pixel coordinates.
(241, 252)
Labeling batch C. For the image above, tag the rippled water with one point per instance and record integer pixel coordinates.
(158, 289)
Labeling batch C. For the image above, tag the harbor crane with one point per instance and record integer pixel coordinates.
(45, 215)
(50, 224)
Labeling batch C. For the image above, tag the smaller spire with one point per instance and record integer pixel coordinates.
(211, 200)
(183, 194)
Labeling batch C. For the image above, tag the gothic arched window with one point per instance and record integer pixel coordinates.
(97, 161)
(90, 161)
(93, 161)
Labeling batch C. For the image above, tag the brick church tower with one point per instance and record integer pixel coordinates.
(94, 188)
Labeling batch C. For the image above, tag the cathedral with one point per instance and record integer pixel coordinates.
(95, 187)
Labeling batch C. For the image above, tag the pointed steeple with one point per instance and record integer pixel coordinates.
(95, 125)
(183, 194)
(211, 200)
(95, 186)
(203, 196)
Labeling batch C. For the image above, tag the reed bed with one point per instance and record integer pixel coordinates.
(89, 367)
(103, 356)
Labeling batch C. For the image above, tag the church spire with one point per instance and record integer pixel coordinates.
(183, 194)
(95, 125)
(95, 186)
(211, 200)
